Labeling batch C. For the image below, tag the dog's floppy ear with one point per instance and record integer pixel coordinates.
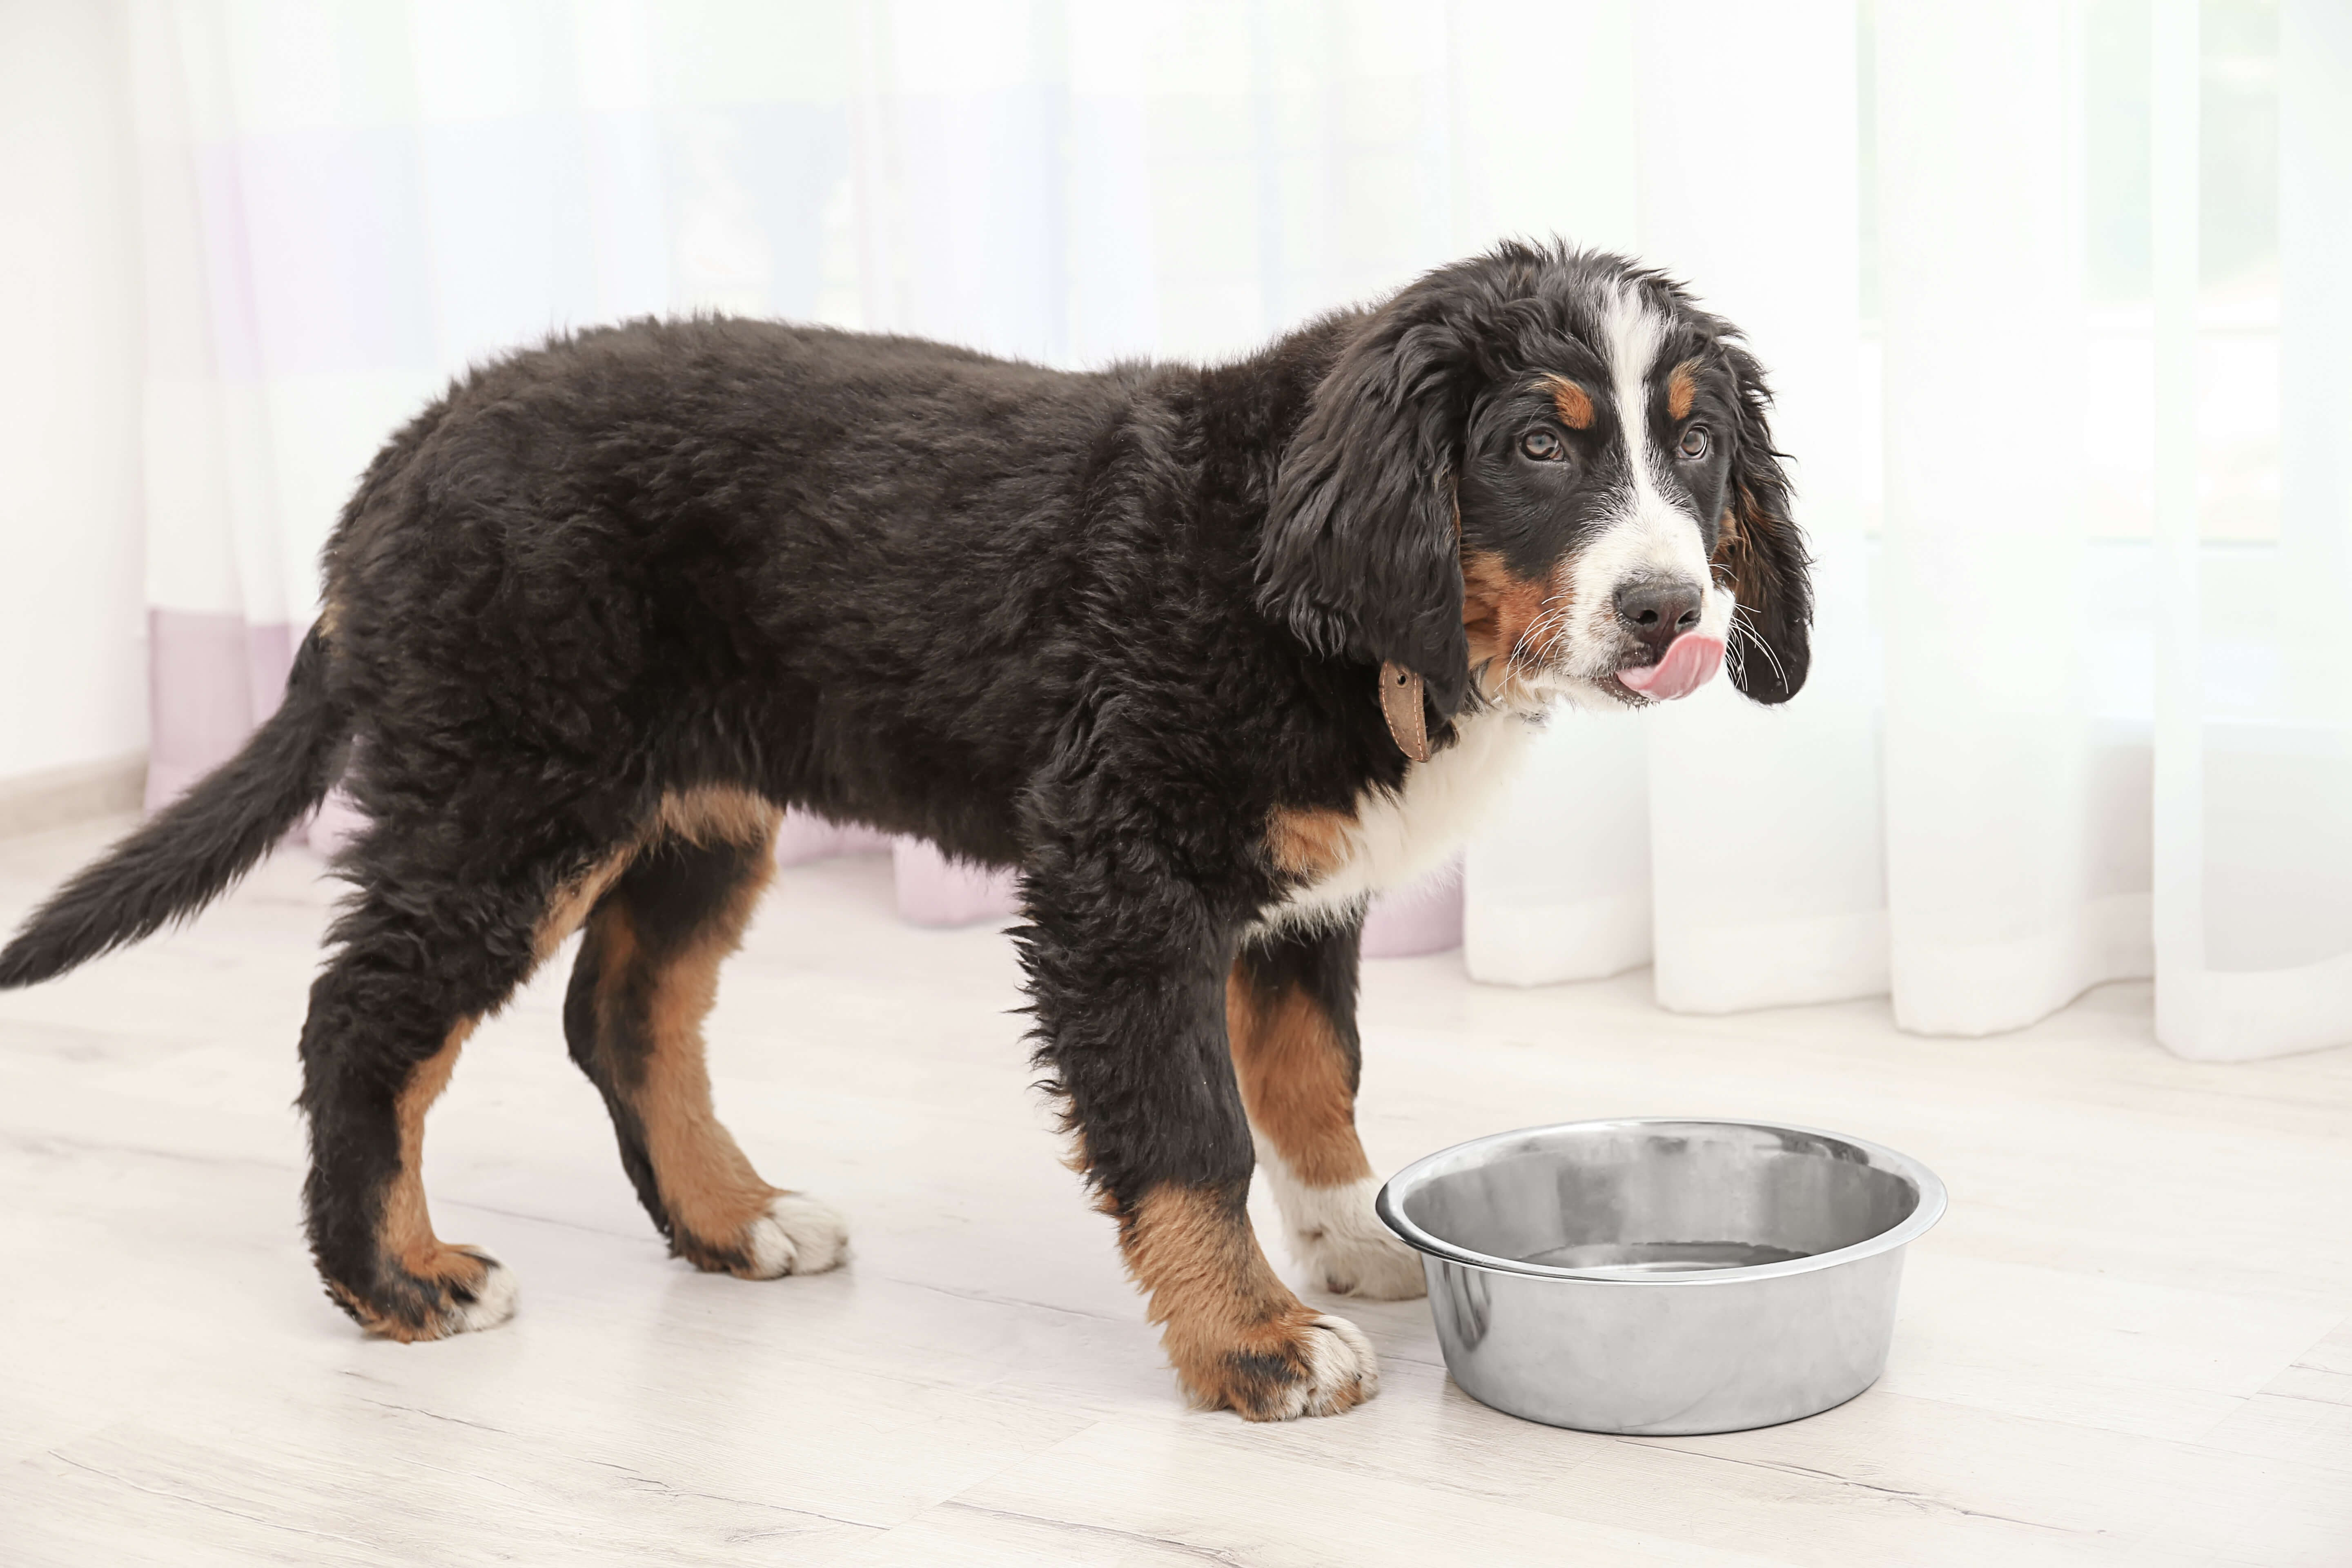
(1361, 555)
(1763, 554)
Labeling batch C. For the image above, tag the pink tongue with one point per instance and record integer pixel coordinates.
(1690, 663)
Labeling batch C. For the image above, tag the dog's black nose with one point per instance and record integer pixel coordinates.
(1657, 610)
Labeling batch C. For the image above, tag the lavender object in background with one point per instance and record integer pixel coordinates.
(934, 891)
(1423, 918)
(805, 837)
(213, 679)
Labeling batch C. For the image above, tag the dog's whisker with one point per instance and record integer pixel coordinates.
(1740, 626)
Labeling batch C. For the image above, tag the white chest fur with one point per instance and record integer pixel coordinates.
(1396, 839)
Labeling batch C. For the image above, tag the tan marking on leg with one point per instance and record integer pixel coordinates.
(408, 1231)
(1682, 386)
(715, 815)
(1574, 403)
(573, 900)
(708, 1184)
(702, 816)
(1237, 1336)
(404, 1239)
(1293, 1072)
(1309, 843)
(1298, 1086)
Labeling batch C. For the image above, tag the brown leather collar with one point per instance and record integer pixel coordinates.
(1400, 705)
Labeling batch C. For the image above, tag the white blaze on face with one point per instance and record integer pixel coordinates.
(1649, 533)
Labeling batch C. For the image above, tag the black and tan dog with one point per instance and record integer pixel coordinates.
(1207, 654)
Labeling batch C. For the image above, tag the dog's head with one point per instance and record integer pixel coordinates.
(1530, 475)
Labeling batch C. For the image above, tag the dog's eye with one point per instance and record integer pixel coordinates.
(1542, 444)
(1694, 443)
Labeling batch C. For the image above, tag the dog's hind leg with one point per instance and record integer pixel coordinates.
(449, 917)
(646, 978)
(1290, 1015)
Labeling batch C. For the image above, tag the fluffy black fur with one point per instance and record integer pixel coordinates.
(1095, 627)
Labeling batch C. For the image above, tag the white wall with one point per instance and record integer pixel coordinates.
(73, 676)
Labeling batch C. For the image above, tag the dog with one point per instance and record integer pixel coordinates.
(1207, 654)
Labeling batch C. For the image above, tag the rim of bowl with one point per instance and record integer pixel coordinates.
(1922, 1218)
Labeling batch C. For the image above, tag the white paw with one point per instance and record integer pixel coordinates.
(493, 1302)
(796, 1235)
(1334, 1235)
(1342, 1372)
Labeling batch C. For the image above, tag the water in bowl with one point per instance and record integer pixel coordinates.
(1661, 1256)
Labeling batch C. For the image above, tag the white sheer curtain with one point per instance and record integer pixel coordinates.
(2118, 750)
(2254, 710)
(2016, 828)
(2057, 732)
(1736, 848)
(2112, 735)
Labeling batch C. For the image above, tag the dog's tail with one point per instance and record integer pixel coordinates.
(190, 853)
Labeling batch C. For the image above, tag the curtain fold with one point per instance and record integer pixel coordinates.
(2253, 777)
(1769, 881)
(2006, 896)
(2058, 729)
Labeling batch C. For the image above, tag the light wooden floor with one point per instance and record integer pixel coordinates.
(2128, 1342)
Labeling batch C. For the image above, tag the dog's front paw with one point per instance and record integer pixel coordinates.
(1334, 1235)
(1303, 1363)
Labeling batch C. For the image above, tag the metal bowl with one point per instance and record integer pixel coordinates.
(1663, 1278)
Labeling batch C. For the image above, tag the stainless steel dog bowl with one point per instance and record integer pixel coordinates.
(1663, 1278)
